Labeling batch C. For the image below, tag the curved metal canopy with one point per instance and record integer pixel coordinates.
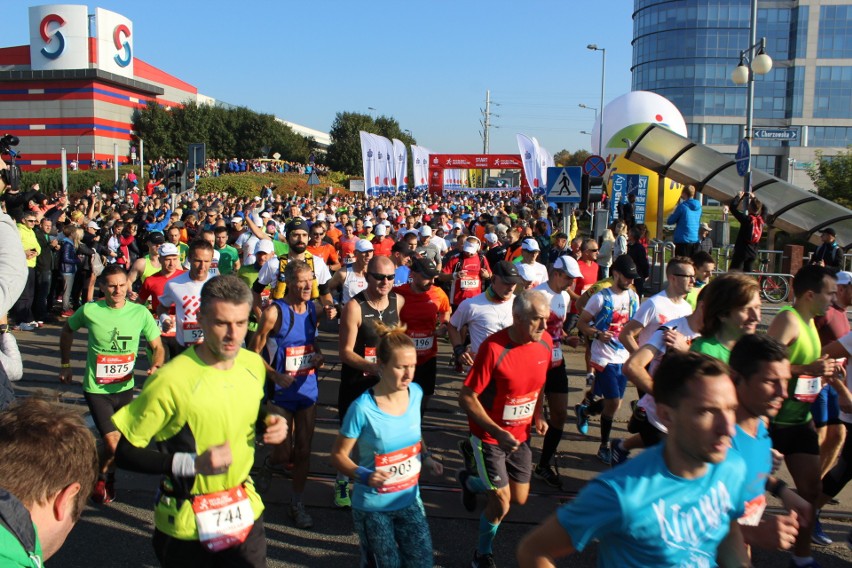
(791, 208)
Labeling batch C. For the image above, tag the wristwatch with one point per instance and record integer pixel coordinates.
(596, 334)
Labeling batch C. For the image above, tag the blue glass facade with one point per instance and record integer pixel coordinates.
(685, 51)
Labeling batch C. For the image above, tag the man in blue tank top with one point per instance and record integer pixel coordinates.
(286, 338)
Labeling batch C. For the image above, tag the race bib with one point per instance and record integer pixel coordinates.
(299, 360)
(370, 354)
(423, 342)
(402, 465)
(192, 333)
(807, 388)
(469, 283)
(753, 511)
(264, 298)
(114, 368)
(556, 356)
(348, 260)
(224, 519)
(519, 410)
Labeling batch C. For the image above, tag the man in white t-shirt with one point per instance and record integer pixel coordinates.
(562, 275)
(184, 293)
(602, 320)
(666, 305)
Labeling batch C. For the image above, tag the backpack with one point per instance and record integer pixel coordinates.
(757, 223)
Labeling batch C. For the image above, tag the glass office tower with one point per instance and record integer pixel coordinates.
(685, 50)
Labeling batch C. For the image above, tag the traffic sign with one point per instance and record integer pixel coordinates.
(776, 134)
(743, 156)
(594, 166)
(564, 184)
(313, 180)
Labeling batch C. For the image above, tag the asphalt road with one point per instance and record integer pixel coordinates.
(118, 535)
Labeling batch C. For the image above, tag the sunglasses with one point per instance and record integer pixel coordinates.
(381, 277)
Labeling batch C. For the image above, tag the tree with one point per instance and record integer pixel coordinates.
(832, 176)
(565, 158)
(344, 152)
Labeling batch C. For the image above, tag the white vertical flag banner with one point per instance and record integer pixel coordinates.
(420, 156)
(369, 152)
(546, 161)
(529, 157)
(385, 163)
(400, 161)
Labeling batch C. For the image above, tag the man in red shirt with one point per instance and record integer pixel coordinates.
(425, 313)
(465, 271)
(153, 288)
(502, 395)
(346, 245)
(382, 243)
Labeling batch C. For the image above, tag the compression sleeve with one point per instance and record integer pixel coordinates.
(142, 460)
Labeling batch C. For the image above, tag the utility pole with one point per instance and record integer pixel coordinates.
(486, 123)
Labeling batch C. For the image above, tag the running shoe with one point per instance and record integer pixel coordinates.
(605, 455)
(67, 313)
(278, 468)
(818, 535)
(581, 419)
(466, 449)
(99, 492)
(301, 517)
(619, 454)
(548, 475)
(483, 561)
(468, 497)
(341, 494)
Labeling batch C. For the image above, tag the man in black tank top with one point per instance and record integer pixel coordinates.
(358, 341)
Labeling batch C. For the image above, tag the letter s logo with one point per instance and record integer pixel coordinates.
(122, 30)
(57, 35)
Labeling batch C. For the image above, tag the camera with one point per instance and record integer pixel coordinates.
(12, 175)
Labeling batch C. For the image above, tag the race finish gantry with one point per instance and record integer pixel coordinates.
(440, 162)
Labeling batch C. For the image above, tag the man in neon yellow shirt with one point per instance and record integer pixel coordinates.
(201, 409)
(22, 311)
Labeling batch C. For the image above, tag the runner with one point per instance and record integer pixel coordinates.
(48, 465)
(661, 307)
(793, 432)
(425, 313)
(201, 409)
(229, 257)
(147, 265)
(760, 370)
(353, 278)
(385, 424)
(704, 267)
(676, 504)
(272, 272)
(115, 326)
(601, 322)
(154, 287)
(502, 397)
(293, 360)
(401, 257)
(358, 340)
(530, 253)
(184, 294)
(263, 251)
(324, 250)
(562, 276)
(731, 309)
(465, 272)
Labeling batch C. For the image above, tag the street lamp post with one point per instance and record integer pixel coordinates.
(752, 60)
(78, 144)
(594, 47)
(581, 105)
(585, 132)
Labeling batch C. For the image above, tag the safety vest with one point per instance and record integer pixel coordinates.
(604, 317)
(280, 289)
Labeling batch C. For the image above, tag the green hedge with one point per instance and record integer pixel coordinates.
(249, 184)
(50, 179)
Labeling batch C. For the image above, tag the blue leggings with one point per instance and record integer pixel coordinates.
(394, 539)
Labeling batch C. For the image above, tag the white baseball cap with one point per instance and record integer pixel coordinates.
(363, 245)
(530, 245)
(381, 230)
(425, 231)
(264, 245)
(168, 249)
(568, 265)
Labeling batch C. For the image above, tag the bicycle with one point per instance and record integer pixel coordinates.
(774, 288)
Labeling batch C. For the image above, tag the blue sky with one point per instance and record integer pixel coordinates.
(426, 63)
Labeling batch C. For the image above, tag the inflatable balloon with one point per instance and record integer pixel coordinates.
(624, 119)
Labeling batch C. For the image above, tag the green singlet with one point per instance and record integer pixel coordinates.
(228, 257)
(188, 406)
(150, 269)
(711, 346)
(113, 343)
(805, 350)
